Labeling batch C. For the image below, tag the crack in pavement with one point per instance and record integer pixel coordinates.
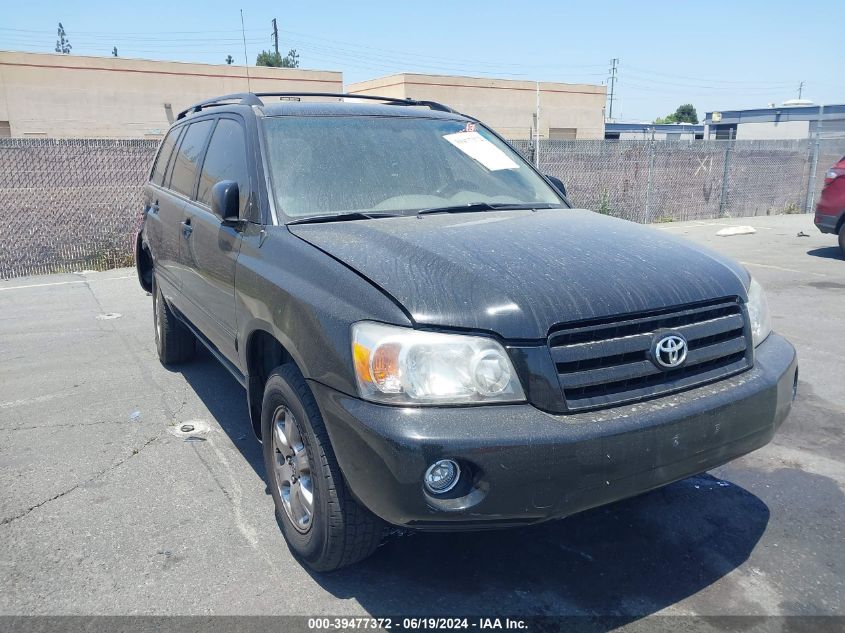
(115, 466)
(62, 426)
(149, 379)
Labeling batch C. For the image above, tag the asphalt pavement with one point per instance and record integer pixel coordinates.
(107, 508)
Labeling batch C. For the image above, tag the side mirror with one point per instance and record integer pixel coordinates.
(226, 201)
(557, 183)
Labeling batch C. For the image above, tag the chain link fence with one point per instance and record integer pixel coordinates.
(70, 205)
(663, 181)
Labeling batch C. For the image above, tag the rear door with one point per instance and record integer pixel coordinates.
(182, 186)
(209, 256)
(164, 213)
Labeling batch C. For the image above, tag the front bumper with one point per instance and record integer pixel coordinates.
(826, 223)
(530, 466)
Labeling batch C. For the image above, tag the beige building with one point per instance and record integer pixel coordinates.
(111, 97)
(566, 110)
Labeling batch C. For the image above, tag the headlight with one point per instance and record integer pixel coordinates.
(758, 313)
(399, 365)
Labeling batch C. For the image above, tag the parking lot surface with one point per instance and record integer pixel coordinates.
(106, 508)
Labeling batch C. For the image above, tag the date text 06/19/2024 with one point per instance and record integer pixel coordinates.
(414, 624)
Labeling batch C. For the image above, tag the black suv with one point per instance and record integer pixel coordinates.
(429, 336)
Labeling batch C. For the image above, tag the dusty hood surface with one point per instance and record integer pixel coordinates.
(518, 273)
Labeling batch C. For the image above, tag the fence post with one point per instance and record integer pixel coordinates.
(725, 172)
(814, 163)
(648, 181)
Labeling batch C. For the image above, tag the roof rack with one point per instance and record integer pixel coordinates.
(253, 98)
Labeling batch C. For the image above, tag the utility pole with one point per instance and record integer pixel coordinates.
(800, 89)
(814, 164)
(537, 130)
(612, 80)
(275, 36)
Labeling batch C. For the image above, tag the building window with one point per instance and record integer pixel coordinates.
(562, 133)
(725, 132)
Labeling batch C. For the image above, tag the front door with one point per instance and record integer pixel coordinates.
(211, 250)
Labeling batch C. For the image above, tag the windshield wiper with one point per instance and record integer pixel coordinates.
(341, 217)
(487, 206)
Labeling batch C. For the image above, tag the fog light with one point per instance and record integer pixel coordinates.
(441, 476)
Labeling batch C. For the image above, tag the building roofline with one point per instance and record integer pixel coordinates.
(398, 78)
(144, 60)
(779, 113)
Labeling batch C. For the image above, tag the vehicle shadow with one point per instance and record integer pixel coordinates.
(828, 252)
(626, 560)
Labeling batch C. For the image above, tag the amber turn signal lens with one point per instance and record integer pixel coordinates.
(362, 362)
(384, 367)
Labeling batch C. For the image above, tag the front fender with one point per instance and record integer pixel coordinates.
(307, 300)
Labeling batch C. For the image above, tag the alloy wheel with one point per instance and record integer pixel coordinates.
(292, 469)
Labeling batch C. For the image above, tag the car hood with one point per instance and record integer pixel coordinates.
(518, 273)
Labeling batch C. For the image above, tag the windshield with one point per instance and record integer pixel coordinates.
(341, 164)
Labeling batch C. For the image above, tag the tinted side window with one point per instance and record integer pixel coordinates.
(225, 160)
(164, 153)
(184, 175)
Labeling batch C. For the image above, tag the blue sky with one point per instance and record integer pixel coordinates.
(716, 55)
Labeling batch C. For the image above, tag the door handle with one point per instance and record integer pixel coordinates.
(187, 229)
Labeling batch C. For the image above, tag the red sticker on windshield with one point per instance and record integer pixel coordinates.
(470, 127)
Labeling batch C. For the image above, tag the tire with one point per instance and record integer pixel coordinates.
(842, 240)
(339, 531)
(175, 343)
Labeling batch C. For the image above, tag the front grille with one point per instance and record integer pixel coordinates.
(608, 361)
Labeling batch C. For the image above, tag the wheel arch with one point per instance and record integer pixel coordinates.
(264, 351)
(143, 263)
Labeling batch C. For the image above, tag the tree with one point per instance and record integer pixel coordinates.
(684, 114)
(63, 43)
(114, 51)
(271, 58)
(230, 60)
(291, 60)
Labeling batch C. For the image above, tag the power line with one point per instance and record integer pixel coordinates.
(699, 78)
(680, 84)
(112, 34)
(396, 53)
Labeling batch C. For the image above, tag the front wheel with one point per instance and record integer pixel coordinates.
(322, 524)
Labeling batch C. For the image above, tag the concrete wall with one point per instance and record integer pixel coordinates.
(505, 105)
(110, 97)
(773, 130)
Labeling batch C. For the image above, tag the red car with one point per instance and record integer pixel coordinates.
(830, 211)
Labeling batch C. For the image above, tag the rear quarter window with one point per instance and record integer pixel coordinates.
(164, 152)
(184, 177)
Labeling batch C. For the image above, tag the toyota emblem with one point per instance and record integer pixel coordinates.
(670, 351)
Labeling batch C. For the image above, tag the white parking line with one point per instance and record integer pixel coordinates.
(65, 283)
(788, 270)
